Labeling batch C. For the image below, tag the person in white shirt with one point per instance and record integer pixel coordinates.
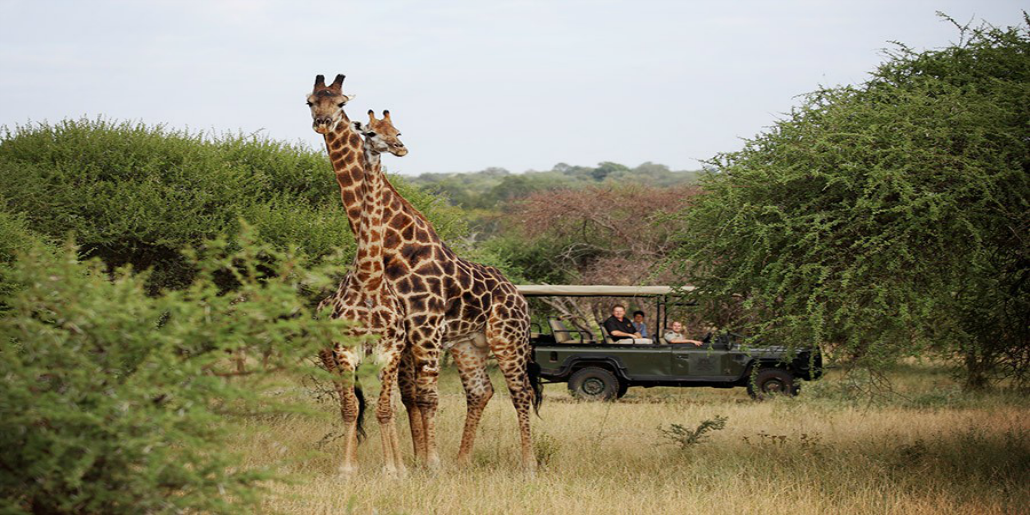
(675, 335)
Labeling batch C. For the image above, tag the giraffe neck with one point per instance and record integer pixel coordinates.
(369, 258)
(346, 152)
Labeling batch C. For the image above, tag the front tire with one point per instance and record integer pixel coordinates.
(594, 384)
(771, 381)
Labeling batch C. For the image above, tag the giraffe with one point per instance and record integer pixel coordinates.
(447, 303)
(364, 296)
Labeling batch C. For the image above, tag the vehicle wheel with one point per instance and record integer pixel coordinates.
(771, 381)
(594, 384)
(623, 388)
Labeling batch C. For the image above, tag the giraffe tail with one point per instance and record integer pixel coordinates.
(533, 371)
(361, 413)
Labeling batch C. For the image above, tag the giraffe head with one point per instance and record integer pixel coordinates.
(382, 135)
(326, 103)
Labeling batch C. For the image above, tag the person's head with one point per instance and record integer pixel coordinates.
(677, 326)
(638, 316)
(618, 311)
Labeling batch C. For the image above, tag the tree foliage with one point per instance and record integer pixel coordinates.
(884, 219)
(137, 194)
(113, 400)
(595, 235)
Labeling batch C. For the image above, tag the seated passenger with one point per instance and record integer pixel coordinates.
(675, 335)
(639, 325)
(621, 328)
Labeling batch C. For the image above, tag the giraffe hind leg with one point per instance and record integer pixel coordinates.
(510, 345)
(471, 361)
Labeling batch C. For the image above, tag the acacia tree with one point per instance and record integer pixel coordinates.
(595, 235)
(884, 219)
(599, 235)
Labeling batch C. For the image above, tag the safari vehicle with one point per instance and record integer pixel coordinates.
(597, 368)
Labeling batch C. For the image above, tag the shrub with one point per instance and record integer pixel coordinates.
(15, 238)
(686, 438)
(137, 194)
(114, 400)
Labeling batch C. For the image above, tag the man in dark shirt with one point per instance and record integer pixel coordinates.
(621, 328)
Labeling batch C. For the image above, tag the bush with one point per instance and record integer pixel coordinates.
(686, 438)
(15, 238)
(139, 195)
(114, 400)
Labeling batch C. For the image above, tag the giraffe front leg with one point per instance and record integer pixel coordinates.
(390, 358)
(427, 370)
(471, 362)
(343, 363)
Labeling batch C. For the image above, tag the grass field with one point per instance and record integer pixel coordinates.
(927, 449)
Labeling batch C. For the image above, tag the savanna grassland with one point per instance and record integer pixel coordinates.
(925, 447)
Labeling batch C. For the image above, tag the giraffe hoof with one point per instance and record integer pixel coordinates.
(348, 471)
(395, 472)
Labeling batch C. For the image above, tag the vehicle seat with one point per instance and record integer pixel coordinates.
(604, 334)
(561, 334)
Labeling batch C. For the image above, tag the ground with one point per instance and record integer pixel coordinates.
(929, 448)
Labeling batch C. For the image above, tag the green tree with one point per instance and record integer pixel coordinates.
(884, 219)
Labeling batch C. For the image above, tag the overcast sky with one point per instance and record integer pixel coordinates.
(516, 84)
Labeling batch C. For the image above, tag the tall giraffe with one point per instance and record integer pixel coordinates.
(449, 302)
(363, 296)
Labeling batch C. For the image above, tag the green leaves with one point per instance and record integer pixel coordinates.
(114, 401)
(875, 217)
(137, 194)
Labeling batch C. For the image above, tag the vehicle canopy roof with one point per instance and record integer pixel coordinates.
(561, 290)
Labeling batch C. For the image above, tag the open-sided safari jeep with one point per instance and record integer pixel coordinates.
(596, 368)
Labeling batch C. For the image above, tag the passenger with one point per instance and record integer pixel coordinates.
(675, 335)
(621, 328)
(639, 325)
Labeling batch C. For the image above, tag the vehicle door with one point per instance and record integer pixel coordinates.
(708, 362)
(645, 361)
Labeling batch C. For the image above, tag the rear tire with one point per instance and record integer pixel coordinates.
(623, 388)
(594, 384)
(770, 382)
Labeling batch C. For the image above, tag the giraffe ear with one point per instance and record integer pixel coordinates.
(319, 81)
(350, 97)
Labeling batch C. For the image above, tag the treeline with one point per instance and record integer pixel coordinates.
(488, 189)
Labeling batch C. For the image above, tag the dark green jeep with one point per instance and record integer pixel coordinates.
(597, 368)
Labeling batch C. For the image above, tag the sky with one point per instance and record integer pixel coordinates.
(470, 84)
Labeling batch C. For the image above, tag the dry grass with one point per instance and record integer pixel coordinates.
(934, 450)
